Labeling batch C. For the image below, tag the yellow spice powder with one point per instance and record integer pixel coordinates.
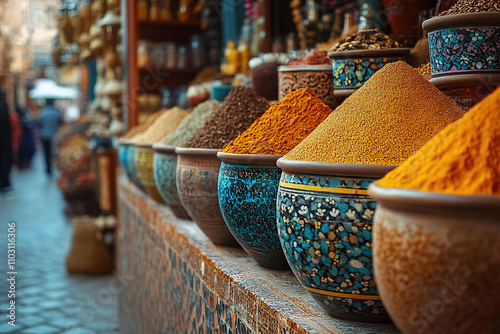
(162, 126)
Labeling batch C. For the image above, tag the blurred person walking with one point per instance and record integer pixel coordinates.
(49, 122)
(5, 144)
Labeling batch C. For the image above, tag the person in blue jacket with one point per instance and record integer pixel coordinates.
(49, 122)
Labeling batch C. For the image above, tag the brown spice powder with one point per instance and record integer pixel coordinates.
(162, 126)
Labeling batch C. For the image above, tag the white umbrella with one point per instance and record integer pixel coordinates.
(48, 89)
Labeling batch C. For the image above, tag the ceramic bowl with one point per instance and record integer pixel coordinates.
(437, 260)
(247, 187)
(197, 175)
(123, 147)
(325, 219)
(165, 177)
(351, 69)
(464, 43)
(132, 170)
(317, 77)
(144, 165)
(466, 90)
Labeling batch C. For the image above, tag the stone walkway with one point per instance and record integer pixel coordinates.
(47, 298)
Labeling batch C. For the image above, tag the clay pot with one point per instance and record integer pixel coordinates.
(318, 78)
(325, 218)
(351, 69)
(144, 170)
(437, 260)
(247, 188)
(403, 14)
(165, 178)
(464, 44)
(466, 90)
(197, 175)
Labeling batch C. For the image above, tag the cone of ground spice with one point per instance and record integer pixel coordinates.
(283, 125)
(191, 124)
(463, 159)
(238, 111)
(167, 122)
(383, 123)
(138, 129)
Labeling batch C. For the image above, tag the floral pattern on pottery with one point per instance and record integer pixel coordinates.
(247, 199)
(348, 73)
(131, 166)
(320, 82)
(325, 228)
(165, 175)
(462, 50)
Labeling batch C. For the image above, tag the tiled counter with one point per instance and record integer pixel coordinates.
(177, 281)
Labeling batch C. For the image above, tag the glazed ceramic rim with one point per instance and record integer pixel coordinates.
(305, 68)
(422, 201)
(201, 152)
(144, 146)
(465, 80)
(124, 142)
(369, 53)
(344, 92)
(459, 20)
(165, 149)
(257, 159)
(333, 169)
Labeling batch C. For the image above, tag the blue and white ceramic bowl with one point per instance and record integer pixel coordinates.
(247, 189)
(351, 69)
(325, 220)
(464, 43)
(132, 170)
(165, 175)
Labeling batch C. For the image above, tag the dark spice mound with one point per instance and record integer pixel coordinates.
(370, 39)
(238, 111)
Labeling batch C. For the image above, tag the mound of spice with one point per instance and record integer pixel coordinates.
(423, 70)
(473, 6)
(138, 129)
(238, 111)
(370, 39)
(314, 58)
(167, 122)
(383, 123)
(463, 159)
(283, 125)
(192, 123)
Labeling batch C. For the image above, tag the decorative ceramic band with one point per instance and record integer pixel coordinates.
(465, 50)
(343, 295)
(355, 72)
(349, 191)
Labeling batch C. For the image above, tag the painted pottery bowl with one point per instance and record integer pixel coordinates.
(464, 43)
(197, 175)
(132, 170)
(325, 220)
(123, 147)
(437, 260)
(466, 90)
(144, 166)
(318, 78)
(165, 178)
(247, 187)
(352, 69)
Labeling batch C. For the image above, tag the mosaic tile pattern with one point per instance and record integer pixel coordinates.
(183, 283)
(326, 235)
(350, 73)
(463, 50)
(247, 199)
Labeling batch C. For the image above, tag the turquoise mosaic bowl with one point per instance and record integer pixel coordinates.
(325, 220)
(247, 189)
(123, 148)
(351, 69)
(165, 178)
(464, 44)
